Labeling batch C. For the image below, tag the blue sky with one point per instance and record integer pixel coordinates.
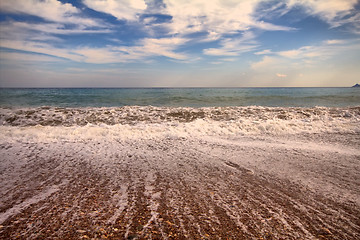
(179, 43)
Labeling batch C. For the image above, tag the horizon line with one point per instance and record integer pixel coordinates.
(156, 87)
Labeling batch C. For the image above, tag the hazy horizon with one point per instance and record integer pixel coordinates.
(177, 44)
(159, 87)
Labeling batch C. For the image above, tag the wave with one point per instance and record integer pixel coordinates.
(55, 116)
(149, 122)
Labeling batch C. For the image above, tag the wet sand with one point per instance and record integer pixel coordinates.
(245, 187)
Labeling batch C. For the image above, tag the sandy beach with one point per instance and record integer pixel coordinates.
(246, 188)
(180, 119)
(177, 186)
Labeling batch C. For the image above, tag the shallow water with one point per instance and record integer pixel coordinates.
(89, 163)
(180, 97)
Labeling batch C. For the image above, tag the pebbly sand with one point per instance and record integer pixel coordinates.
(178, 186)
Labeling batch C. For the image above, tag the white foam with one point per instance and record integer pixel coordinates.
(26, 203)
(84, 124)
(197, 128)
(135, 114)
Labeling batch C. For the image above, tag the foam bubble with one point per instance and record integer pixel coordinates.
(193, 129)
(83, 124)
(53, 116)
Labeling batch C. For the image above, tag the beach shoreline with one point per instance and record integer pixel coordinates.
(253, 186)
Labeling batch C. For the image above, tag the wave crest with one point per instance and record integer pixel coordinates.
(55, 116)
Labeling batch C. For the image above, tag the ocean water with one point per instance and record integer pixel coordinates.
(180, 97)
(140, 151)
(147, 113)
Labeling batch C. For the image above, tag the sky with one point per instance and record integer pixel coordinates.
(179, 43)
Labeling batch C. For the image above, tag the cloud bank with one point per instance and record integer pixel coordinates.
(230, 24)
(190, 32)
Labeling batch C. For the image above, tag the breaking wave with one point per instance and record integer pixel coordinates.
(55, 116)
(150, 122)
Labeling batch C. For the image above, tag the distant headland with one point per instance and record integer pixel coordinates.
(356, 85)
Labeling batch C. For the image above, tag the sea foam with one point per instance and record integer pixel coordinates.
(134, 122)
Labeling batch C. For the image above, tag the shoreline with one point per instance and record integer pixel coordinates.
(213, 187)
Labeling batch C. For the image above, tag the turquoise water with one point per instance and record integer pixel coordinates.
(180, 97)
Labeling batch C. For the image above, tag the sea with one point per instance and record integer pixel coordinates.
(179, 97)
(141, 112)
(186, 163)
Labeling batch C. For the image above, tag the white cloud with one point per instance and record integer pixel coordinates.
(354, 23)
(224, 60)
(234, 46)
(280, 75)
(43, 48)
(220, 21)
(17, 57)
(292, 64)
(265, 62)
(220, 52)
(51, 10)
(23, 30)
(291, 53)
(162, 47)
(263, 52)
(229, 51)
(60, 19)
(331, 11)
(121, 9)
(228, 59)
(334, 41)
(215, 16)
(323, 51)
(145, 49)
(99, 55)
